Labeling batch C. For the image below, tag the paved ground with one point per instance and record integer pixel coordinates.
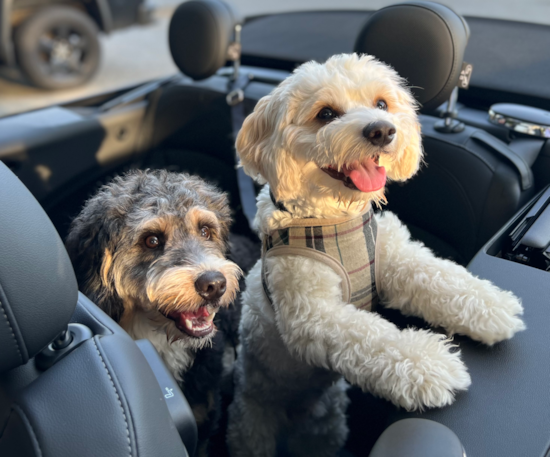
(130, 56)
(140, 54)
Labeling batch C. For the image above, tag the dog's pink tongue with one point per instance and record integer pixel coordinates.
(366, 175)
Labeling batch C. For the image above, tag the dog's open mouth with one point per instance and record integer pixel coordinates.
(198, 324)
(364, 176)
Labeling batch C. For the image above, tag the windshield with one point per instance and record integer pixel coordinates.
(60, 54)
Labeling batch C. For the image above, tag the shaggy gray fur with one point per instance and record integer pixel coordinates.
(283, 406)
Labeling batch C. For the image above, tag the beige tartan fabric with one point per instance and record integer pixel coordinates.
(346, 245)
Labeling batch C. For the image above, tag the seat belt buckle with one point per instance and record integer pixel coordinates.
(465, 75)
(234, 97)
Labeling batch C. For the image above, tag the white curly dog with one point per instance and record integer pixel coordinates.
(326, 140)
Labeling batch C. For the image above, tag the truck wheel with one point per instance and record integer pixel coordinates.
(57, 47)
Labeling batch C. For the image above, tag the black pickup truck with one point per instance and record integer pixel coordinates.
(54, 43)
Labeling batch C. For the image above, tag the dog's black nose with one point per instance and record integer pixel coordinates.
(210, 285)
(379, 133)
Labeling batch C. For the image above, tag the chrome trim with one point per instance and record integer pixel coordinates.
(517, 125)
(451, 106)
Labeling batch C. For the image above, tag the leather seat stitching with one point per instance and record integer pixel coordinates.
(12, 332)
(117, 396)
(27, 422)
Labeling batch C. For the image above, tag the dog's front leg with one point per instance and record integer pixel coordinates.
(410, 368)
(443, 293)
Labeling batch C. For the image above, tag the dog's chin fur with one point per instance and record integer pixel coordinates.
(268, 219)
(177, 348)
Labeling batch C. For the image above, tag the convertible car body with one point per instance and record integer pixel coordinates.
(479, 182)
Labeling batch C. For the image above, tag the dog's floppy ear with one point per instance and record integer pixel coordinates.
(91, 247)
(408, 162)
(410, 159)
(256, 138)
(253, 138)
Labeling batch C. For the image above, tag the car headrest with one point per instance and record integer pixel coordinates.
(424, 42)
(200, 34)
(38, 290)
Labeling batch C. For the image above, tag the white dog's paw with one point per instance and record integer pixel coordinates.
(492, 316)
(424, 372)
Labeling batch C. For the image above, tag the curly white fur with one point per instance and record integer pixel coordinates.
(410, 368)
(443, 293)
(295, 350)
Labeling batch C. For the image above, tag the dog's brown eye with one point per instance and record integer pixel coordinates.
(381, 104)
(327, 114)
(205, 232)
(152, 242)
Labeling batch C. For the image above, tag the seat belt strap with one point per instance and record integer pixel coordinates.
(235, 99)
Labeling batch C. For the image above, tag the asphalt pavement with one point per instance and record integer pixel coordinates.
(140, 53)
(130, 56)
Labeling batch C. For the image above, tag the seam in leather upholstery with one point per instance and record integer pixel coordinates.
(465, 148)
(90, 314)
(6, 424)
(118, 398)
(12, 332)
(29, 426)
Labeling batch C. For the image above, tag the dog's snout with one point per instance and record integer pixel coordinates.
(380, 133)
(211, 285)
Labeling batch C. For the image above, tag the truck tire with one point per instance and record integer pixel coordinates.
(57, 47)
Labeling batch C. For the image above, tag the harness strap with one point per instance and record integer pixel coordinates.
(264, 274)
(278, 205)
(346, 246)
(334, 265)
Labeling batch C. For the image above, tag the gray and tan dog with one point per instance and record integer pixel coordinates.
(150, 250)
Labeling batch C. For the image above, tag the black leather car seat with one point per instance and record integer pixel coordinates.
(193, 120)
(200, 35)
(100, 399)
(472, 183)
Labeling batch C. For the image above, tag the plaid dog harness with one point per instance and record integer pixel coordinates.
(347, 245)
